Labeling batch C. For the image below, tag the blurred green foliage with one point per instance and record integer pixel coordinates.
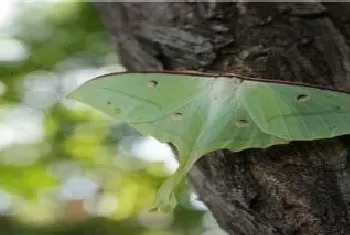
(64, 42)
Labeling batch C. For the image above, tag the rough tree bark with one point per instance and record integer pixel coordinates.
(298, 189)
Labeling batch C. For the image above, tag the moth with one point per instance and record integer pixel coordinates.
(202, 112)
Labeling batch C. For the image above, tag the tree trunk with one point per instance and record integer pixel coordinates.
(297, 189)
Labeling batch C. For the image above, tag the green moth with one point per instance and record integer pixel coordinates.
(202, 112)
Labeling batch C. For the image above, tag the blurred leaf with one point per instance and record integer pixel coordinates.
(25, 181)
